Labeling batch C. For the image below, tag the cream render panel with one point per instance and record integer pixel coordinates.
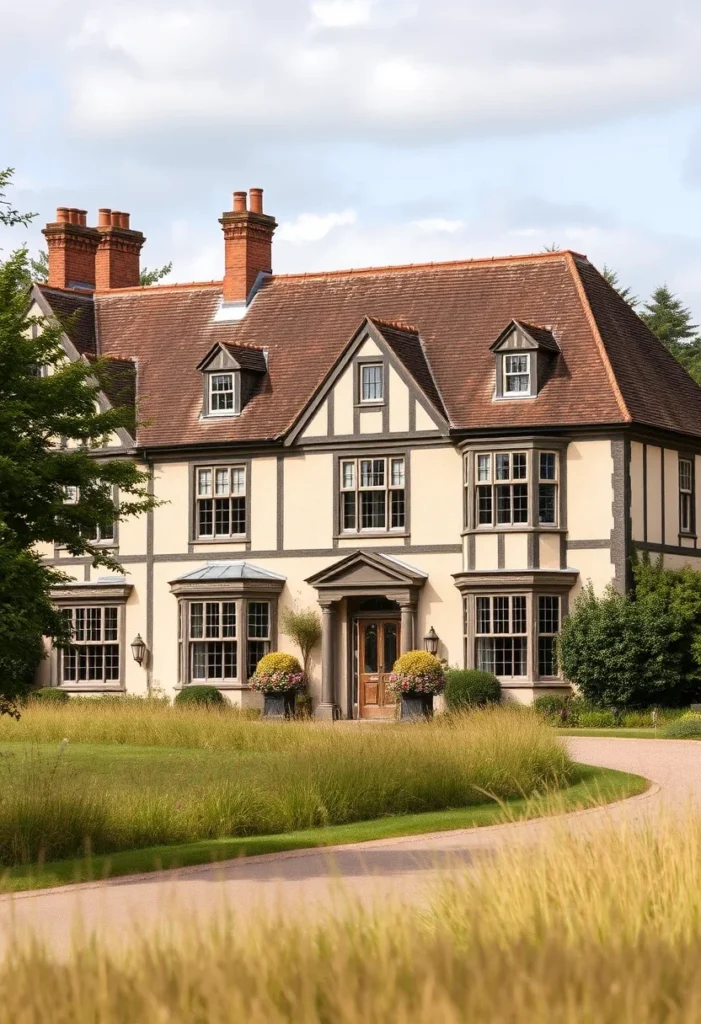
(654, 494)
(592, 564)
(264, 499)
(308, 508)
(589, 490)
(671, 496)
(369, 348)
(436, 496)
(132, 532)
(423, 420)
(343, 403)
(371, 421)
(398, 403)
(637, 492)
(318, 427)
(171, 520)
(549, 550)
(515, 551)
(486, 551)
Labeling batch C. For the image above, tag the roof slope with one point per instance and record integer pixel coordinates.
(76, 314)
(610, 370)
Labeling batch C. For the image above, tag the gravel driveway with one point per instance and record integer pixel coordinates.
(309, 881)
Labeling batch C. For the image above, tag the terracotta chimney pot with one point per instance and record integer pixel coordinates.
(256, 195)
(240, 202)
(104, 217)
(248, 241)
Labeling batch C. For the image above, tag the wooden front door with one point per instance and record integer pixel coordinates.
(378, 649)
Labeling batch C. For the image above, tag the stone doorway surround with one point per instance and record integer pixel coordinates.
(362, 574)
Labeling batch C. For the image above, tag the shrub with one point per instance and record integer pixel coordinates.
(304, 629)
(277, 672)
(597, 719)
(470, 688)
(195, 694)
(417, 672)
(52, 694)
(686, 727)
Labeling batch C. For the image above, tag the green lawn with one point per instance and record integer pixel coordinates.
(115, 768)
(629, 734)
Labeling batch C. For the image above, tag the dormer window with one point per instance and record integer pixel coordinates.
(525, 358)
(222, 395)
(517, 374)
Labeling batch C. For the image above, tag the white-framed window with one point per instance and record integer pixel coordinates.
(373, 494)
(222, 394)
(93, 656)
(258, 634)
(547, 488)
(548, 630)
(517, 373)
(372, 382)
(221, 501)
(212, 642)
(686, 496)
(501, 639)
(501, 490)
(103, 534)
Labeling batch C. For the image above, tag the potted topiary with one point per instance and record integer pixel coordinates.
(416, 677)
(279, 677)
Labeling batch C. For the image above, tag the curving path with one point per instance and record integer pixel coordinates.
(320, 880)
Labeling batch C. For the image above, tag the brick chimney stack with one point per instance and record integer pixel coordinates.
(248, 242)
(117, 258)
(72, 247)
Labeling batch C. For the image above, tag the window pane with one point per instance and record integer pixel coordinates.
(378, 472)
(397, 474)
(547, 465)
(238, 480)
(501, 614)
(519, 470)
(484, 615)
(685, 474)
(372, 510)
(79, 624)
(503, 503)
(370, 660)
(212, 618)
(484, 505)
(197, 620)
(112, 662)
(95, 666)
(259, 619)
(238, 515)
(204, 482)
(371, 383)
(222, 517)
(70, 664)
(484, 468)
(348, 510)
(221, 392)
(94, 624)
(228, 619)
(517, 364)
(547, 658)
(518, 614)
(546, 503)
(214, 661)
(221, 481)
(520, 503)
(503, 467)
(199, 661)
(205, 521)
(390, 646)
(685, 512)
(106, 532)
(397, 511)
(485, 655)
(230, 669)
(348, 474)
(365, 472)
(110, 623)
(548, 614)
(256, 650)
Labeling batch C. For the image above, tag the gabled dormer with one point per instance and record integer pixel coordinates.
(231, 375)
(524, 356)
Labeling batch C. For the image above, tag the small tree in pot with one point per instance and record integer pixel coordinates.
(416, 677)
(279, 677)
(304, 629)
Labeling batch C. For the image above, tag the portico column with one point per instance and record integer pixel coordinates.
(406, 641)
(327, 708)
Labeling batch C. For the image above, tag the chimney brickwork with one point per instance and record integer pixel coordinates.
(248, 239)
(117, 262)
(72, 247)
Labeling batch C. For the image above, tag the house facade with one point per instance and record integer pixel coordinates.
(457, 447)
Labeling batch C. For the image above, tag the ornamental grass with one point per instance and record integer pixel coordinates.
(251, 777)
(603, 928)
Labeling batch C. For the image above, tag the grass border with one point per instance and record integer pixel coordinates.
(594, 786)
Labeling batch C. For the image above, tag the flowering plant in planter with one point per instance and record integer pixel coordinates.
(417, 672)
(278, 673)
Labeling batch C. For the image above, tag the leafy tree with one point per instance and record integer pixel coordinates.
(149, 277)
(9, 217)
(626, 294)
(304, 629)
(50, 424)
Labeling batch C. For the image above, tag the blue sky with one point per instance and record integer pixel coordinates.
(381, 130)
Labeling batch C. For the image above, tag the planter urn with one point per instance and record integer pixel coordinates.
(279, 705)
(417, 705)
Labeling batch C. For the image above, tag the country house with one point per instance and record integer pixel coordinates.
(442, 450)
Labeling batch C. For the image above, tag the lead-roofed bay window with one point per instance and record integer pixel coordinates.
(372, 494)
(227, 621)
(94, 658)
(221, 502)
(501, 636)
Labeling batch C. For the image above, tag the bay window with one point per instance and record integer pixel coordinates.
(222, 641)
(548, 629)
(501, 636)
(500, 491)
(93, 654)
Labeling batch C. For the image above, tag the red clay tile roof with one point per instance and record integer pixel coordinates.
(610, 370)
(75, 311)
(405, 342)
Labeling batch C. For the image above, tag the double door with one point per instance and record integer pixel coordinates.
(378, 649)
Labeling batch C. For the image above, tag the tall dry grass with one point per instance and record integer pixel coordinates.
(281, 777)
(603, 929)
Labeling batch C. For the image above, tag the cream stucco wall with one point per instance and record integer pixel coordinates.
(671, 496)
(318, 427)
(549, 550)
(264, 499)
(637, 491)
(654, 494)
(370, 421)
(423, 420)
(592, 564)
(170, 520)
(343, 401)
(398, 403)
(486, 551)
(515, 551)
(589, 490)
(436, 496)
(308, 509)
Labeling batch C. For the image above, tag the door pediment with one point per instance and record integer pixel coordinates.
(368, 572)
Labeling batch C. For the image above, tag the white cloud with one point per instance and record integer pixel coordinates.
(341, 13)
(437, 225)
(312, 227)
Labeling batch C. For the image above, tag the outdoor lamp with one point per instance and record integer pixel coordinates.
(138, 649)
(431, 641)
